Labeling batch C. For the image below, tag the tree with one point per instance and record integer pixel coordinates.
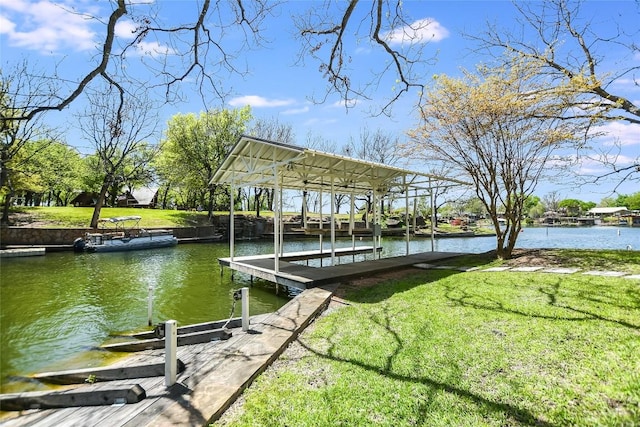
(575, 52)
(573, 207)
(59, 168)
(18, 91)
(118, 129)
(552, 200)
(630, 201)
(194, 147)
(487, 127)
(271, 130)
(197, 49)
(379, 147)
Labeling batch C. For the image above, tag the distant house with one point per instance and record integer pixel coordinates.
(143, 197)
(85, 199)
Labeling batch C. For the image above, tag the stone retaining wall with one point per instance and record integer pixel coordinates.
(39, 236)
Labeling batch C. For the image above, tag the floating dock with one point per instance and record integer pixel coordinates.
(304, 277)
(22, 252)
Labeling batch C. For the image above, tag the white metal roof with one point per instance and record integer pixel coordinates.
(608, 211)
(256, 162)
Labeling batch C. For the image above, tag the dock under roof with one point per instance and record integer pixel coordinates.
(255, 162)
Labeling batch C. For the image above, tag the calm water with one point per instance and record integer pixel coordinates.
(55, 308)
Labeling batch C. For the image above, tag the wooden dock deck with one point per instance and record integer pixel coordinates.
(304, 277)
(216, 374)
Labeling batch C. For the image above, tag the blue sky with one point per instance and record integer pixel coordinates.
(278, 85)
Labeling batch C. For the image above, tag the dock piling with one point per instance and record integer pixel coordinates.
(150, 306)
(171, 347)
(245, 309)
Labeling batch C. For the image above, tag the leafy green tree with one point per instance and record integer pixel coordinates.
(573, 207)
(59, 168)
(194, 147)
(488, 128)
(630, 201)
(18, 91)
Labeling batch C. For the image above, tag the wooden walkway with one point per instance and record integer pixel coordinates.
(216, 374)
(304, 277)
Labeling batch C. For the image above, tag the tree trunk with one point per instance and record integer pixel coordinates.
(99, 203)
(165, 195)
(257, 200)
(212, 191)
(7, 204)
(5, 180)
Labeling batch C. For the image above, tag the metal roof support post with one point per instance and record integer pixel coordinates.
(281, 210)
(276, 223)
(433, 217)
(232, 221)
(406, 210)
(351, 221)
(333, 224)
(304, 209)
(415, 212)
(320, 226)
(373, 223)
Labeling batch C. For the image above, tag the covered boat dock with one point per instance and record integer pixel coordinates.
(255, 162)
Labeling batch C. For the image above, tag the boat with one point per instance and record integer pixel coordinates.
(123, 234)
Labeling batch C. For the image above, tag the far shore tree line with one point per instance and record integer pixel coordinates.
(504, 126)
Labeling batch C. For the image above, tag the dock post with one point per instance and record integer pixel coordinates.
(150, 306)
(170, 352)
(245, 309)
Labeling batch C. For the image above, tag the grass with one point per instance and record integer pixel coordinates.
(476, 349)
(71, 217)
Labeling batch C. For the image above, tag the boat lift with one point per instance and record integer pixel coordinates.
(255, 162)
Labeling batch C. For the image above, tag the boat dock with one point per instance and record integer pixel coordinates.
(304, 277)
(215, 374)
(21, 252)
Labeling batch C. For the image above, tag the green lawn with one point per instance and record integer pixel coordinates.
(68, 216)
(464, 349)
(71, 217)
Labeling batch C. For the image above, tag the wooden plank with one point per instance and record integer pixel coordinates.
(155, 343)
(235, 322)
(83, 396)
(80, 376)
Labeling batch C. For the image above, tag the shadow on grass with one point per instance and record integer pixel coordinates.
(469, 298)
(189, 218)
(520, 415)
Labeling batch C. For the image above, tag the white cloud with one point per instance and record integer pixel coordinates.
(421, 31)
(153, 49)
(293, 111)
(126, 29)
(349, 103)
(618, 133)
(45, 26)
(256, 101)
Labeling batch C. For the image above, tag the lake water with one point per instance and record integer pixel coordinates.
(54, 309)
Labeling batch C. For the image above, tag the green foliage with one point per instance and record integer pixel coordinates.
(194, 147)
(631, 201)
(497, 128)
